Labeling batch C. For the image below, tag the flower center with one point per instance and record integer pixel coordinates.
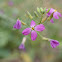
(32, 28)
(55, 10)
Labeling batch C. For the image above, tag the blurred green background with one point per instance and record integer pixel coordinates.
(10, 39)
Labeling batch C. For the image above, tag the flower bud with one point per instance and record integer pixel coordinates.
(50, 17)
(44, 19)
(42, 11)
(30, 16)
(36, 14)
(38, 10)
(23, 23)
(48, 10)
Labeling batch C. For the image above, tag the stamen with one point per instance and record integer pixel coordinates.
(55, 10)
(32, 28)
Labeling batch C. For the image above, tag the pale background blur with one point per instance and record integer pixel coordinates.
(10, 39)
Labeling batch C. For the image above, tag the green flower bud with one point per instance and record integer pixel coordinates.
(30, 16)
(38, 10)
(44, 9)
(36, 14)
(44, 19)
(23, 22)
(48, 10)
(50, 17)
(41, 9)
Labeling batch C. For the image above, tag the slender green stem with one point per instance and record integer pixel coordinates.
(40, 35)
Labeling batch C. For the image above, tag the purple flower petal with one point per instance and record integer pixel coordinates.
(22, 47)
(59, 14)
(33, 35)
(48, 14)
(40, 27)
(54, 43)
(33, 23)
(14, 26)
(51, 10)
(52, 20)
(26, 31)
(55, 15)
(17, 25)
(46, 9)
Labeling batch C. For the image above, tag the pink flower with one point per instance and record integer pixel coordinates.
(55, 14)
(54, 43)
(22, 47)
(33, 30)
(17, 25)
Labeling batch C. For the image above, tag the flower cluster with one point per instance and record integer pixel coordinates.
(40, 27)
